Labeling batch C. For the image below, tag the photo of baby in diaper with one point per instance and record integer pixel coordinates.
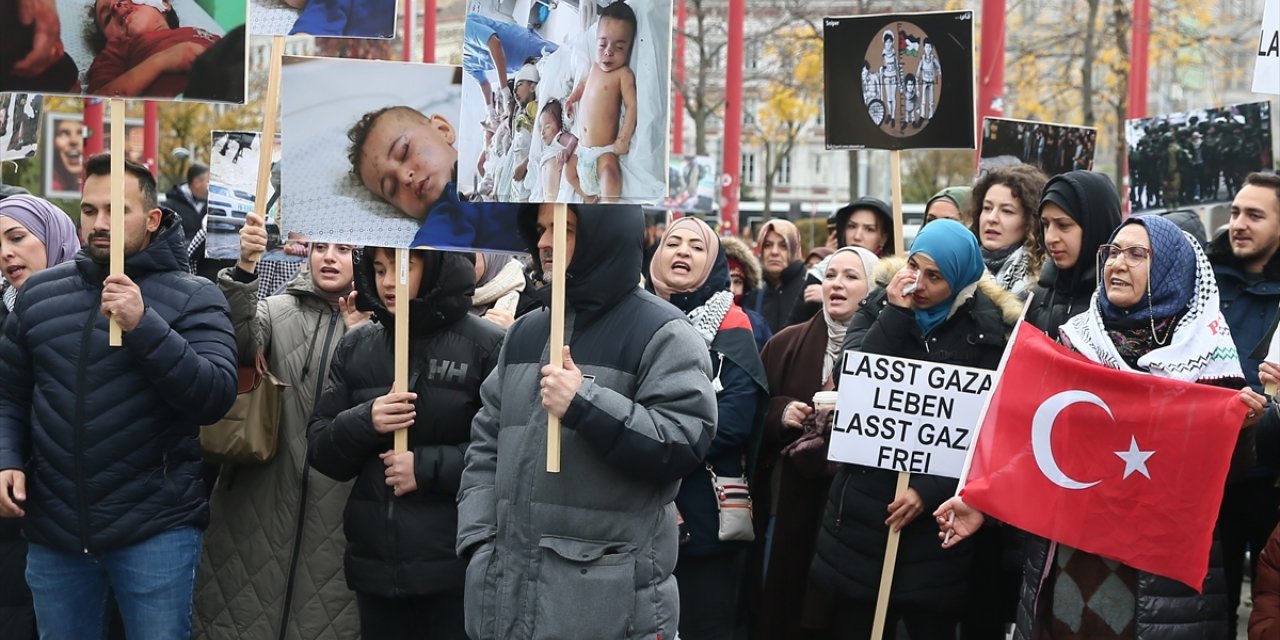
(598, 77)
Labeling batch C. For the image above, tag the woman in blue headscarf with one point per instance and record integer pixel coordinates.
(938, 305)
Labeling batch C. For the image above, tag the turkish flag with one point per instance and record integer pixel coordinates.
(1124, 465)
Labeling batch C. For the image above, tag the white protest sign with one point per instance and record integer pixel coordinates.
(907, 415)
(1266, 70)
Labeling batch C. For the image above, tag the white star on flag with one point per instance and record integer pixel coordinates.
(1135, 460)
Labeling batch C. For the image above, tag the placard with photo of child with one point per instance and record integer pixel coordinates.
(1054, 148)
(566, 102)
(324, 18)
(157, 49)
(19, 124)
(899, 81)
(64, 157)
(372, 157)
(691, 184)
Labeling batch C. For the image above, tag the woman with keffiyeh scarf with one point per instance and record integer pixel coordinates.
(691, 271)
(1003, 215)
(1156, 311)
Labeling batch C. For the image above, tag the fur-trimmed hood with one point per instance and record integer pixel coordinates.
(736, 249)
(1009, 305)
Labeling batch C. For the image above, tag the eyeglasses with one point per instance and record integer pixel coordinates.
(1133, 256)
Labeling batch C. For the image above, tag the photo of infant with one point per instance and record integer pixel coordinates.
(170, 49)
(328, 18)
(386, 174)
(571, 101)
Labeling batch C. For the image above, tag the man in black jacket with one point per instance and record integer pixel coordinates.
(189, 199)
(99, 446)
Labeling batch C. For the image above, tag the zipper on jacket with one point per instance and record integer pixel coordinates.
(77, 427)
(306, 481)
(840, 509)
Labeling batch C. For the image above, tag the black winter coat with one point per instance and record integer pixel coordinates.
(777, 303)
(404, 546)
(851, 542)
(109, 437)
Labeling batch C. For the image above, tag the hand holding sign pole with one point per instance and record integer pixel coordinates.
(402, 337)
(558, 266)
(116, 337)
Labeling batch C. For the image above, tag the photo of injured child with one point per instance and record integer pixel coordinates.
(331, 18)
(187, 49)
(574, 101)
(371, 159)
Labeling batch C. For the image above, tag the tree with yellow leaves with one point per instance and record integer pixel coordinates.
(793, 95)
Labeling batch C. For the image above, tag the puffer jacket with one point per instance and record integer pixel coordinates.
(1166, 609)
(586, 552)
(851, 543)
(109, 437)
(17, 618)
(1264, 622)
(404, 546)
(267, 569)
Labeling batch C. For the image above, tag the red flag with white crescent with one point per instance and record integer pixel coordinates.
(1128, 466)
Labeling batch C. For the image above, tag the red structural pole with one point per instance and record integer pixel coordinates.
(1139, 59)
(732, 161)
(150, 134)
(408, 30)
(677, 69)
(991, 61)
(428, 30)
(95, 139)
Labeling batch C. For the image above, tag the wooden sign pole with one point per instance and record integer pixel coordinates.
(890, 562)
(891, 548)
(116, 337)
(558, 240)
(402, 337)
(270, 115)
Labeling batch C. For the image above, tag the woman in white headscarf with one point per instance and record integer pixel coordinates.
(792, 477)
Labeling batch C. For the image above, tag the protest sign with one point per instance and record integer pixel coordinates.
(1266, 70)
(899, 81)
(1053, 148)
(555, 115)
(906, 415)
(19, 124)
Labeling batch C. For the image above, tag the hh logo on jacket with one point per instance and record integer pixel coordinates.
(446, 371)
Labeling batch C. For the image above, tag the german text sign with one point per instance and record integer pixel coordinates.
(907, 415)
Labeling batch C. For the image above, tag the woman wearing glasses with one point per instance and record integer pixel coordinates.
(1156, 311)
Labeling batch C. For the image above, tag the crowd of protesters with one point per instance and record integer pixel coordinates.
(690, 367)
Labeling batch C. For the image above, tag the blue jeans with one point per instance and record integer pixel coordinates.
(152, 580)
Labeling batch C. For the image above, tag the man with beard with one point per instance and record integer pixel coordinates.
(1248, 274)
(107, 439)
(587, 552)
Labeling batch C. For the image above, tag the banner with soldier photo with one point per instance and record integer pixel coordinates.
(899, 81)
(1054, 148)
(1201, 156)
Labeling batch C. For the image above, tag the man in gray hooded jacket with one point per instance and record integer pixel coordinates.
(587, 552)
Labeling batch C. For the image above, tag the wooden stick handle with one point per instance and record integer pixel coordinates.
(267, 144)
(895, 183)
(115, 336)
(558, 241)
(890, 562)
(402, 337)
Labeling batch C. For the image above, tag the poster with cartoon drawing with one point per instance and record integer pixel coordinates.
(899, 81)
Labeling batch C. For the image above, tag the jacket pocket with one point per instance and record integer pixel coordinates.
(481, 587)
(585, 589)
